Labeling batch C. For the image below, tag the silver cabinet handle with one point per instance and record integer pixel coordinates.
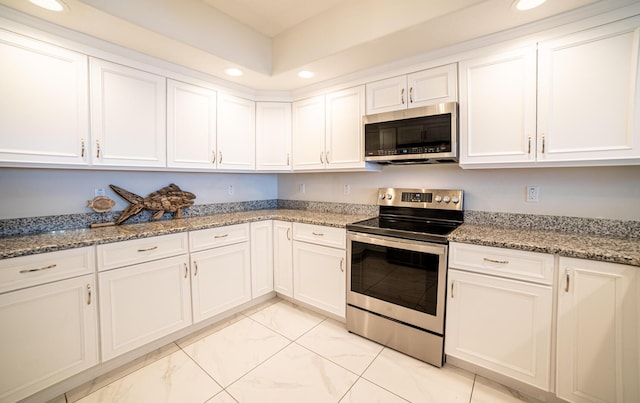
(220, 159)
(220, 236)
(51, 266)
(186, 270)
(543, 144)
(402, 96)
(452, 294)
(411, 95)
(318, 233)
(322, 162)
(97, 148)
(529, 146)
(326, 157)
(214, 157)
(88, 294)
(288, 234)
(568, 277)
(148, 249)
(486, 259)
(342, 264)
(195, 264)
(82, 148)
(288, 159)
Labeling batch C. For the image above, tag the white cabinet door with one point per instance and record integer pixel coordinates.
(387, 95)
(44, 116)
(221, 279)
(141, 303)
(308, 133)
(597, 332)
(283, 258)
(128, 116)
(498, 108)
(236, 133)
(319, 277)
(588, 108)
(273, 136)
(344, 137)
(261, 258)
(500, 324)
(191, 126)
(49, 333)
(433, 86)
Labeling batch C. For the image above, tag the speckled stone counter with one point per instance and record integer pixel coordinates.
(608, 248)
(16, 246)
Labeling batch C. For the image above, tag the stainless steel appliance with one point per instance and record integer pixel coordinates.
(422, 135)
(397, 269)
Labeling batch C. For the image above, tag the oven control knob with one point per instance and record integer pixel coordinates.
(447, 199)
(455, 200)
(383, 196)
(389, 197)
(438, 199)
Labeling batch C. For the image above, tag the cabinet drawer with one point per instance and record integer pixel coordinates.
(43, 268)
(320, 235)
(136, 251)
(214, 237)
(509, 263)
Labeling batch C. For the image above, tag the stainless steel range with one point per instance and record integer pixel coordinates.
(396, 276)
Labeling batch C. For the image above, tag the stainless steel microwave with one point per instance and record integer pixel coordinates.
(427, 134)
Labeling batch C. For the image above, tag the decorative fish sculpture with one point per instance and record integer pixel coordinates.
(169, 199)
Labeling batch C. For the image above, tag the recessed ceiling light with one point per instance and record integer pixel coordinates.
(234, 72)
(51, 5)
(524, 5)
(306, 74)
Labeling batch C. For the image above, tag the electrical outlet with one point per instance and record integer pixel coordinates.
(347, 190)
(231, 190)
(302, 188)
(99, 192)
(533, 193)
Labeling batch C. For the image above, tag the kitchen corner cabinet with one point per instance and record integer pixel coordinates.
(261, 258)
(598, 352)
(144, 291)
(499, 311)
(584, 111)
(236, 133)
(49, 320)
(128, 116)
(221, 269)
(327, 131)
(283, 258)
(44, 117)
(426, 87)
(191, 126)
(273, 136)
(319, 267)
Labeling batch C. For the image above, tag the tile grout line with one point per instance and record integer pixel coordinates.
(473, 386)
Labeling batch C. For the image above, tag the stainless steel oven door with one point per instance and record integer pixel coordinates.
(401, 279)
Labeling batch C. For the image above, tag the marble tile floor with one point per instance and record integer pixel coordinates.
(278, 352)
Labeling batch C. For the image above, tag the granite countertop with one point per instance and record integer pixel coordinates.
(583, 246)
(16, 246)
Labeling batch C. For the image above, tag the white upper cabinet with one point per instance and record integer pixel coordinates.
(273, 136)
(44, 116)
(344, 138)
(327, 131)
(421, 88)
(191, 126)
(308, 133)
(588, 85)
(236, 133)
(128, 116)
(497, 108)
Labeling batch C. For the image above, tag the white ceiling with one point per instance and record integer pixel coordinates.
(271, 40)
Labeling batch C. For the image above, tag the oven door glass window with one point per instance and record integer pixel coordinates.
(398, 276)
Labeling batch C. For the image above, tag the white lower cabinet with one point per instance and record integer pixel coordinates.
(319, 271)
(495, 321)
(283, 258)
(221, 275)
(49, 322)
(598, 352)
(143, 302)
(261, 258)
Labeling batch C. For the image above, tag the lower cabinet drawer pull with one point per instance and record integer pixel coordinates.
(186, 271)
(566, 287)
(88, 294)
(221, 236)
(195, 265)
(148, 249)
(452, 295)
(51, 266)
(342, 265)
(318, 233)
(496, 261)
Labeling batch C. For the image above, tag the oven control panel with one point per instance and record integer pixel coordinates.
(443, 199)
